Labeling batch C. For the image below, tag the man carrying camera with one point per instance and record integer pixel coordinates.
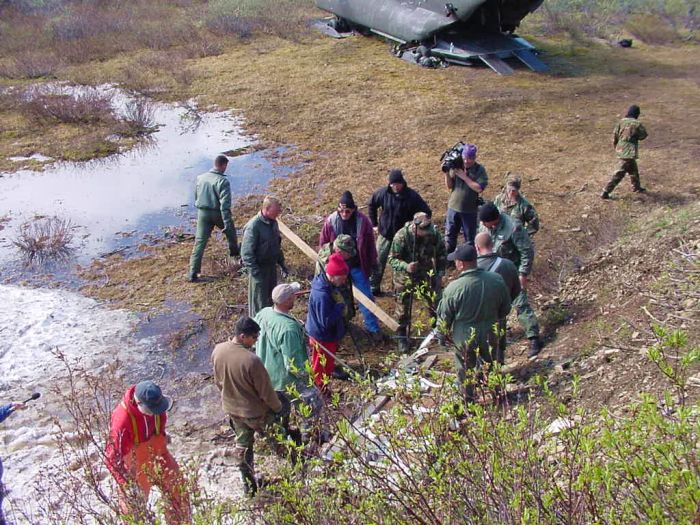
(417, 258)
(466, 179)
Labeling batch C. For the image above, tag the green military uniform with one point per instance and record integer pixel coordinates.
(509, 273)
(521, 211)
(212, 199)
(383, 249)
(470, 310)
(626, 136)
(512, 242)
(261, 252)
(429, 253)
(344, 292)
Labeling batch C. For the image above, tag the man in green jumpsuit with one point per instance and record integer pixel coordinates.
(512, 242)
(261, 252)
(212, 199)
(517, 207)
(417, 258)
(469, 314)
(626, 136)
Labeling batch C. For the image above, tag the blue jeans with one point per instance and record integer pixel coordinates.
(457, 220)
(360, 280)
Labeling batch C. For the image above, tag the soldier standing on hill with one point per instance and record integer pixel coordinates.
(399, 204)
(213, 202)
(518, 208)
(511, 242)
(417, 256)
(626, 136)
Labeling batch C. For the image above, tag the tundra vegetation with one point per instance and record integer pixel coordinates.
(620, 282)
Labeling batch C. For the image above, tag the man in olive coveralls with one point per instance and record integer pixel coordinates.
(512, 242)
(626, 136)
(469, 313)
(518, 208)
(261, 252)
(212, 199)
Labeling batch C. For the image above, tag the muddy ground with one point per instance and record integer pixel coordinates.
(350, 111)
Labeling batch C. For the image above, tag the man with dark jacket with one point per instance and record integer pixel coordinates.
(324, 321)
(247, 395)
(261, 252)
(491, 262)
(399, 204)
(212, 198)
(349, 220)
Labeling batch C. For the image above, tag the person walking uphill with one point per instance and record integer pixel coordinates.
(5, 412)
(324, 320)
(137, 455)
(465, 185)
(247, 396)
(212, 198)
(626, 136)
(261, 252)
(348, 220)
(399, 204)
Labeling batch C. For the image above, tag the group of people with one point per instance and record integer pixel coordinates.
(266, 368)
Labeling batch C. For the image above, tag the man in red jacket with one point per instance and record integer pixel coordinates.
(138, 456)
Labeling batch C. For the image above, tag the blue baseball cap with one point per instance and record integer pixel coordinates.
(150, 395)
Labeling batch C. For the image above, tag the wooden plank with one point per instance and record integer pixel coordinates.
(361, 298)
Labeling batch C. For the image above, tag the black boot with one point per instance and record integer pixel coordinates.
(535, 347)
(250, 485)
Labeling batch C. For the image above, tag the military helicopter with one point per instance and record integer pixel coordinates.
(432, 32)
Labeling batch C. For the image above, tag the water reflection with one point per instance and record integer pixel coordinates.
(117, 200)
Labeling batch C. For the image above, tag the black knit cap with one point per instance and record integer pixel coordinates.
(633, 111)
(396, 176)
(346, 198)
(488, 212)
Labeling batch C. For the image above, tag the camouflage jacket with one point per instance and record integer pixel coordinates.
(511, 242)
(628, 132)
(430, 254)
(342, 294)
(521, 212)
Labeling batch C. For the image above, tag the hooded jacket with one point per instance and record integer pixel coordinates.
(129, 427)
(324, 321)
(397, 209)
(364, 238)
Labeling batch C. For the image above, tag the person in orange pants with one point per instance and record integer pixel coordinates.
(137, 455)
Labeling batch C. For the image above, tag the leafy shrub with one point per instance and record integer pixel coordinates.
(651, 29)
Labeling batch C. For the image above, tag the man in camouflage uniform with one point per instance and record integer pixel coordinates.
(512, 242)
(517, 207)
(261, 252)
(626, 136)
(212, 198)
(417, 257)
(469, 313)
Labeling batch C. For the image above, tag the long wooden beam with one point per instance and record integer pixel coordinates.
(356, 292)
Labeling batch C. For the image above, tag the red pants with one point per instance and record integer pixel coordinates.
(321, 363)
(150, 463)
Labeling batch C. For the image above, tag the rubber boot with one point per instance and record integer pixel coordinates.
(250, 485)
(605, 195)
